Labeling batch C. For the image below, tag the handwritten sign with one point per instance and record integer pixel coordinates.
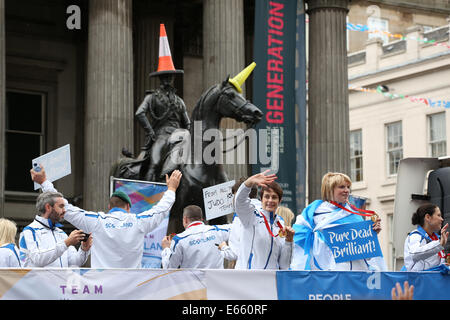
(56, 164)
(352, 241)
(218, 200)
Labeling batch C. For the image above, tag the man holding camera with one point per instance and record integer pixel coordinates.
(43, 244)
(119, 234)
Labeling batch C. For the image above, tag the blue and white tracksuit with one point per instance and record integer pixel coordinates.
(9, 256)
(231, 251)
(258, 249)
(118, 236)
(42, 245)
(421, 252)
(311, 252)
(197, 247)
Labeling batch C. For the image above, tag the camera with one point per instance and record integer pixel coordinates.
(86, 236)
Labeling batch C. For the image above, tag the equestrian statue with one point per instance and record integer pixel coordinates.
(170, 138)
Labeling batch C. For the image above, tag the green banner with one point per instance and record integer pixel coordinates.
(277, 37)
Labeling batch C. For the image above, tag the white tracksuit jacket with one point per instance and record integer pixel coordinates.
(42, 245)
(118, 236)
(421, 252)
(196, 247)
(9, 256)
(231, 251)
(258, 249)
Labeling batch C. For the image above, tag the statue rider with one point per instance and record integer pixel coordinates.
(167, 112)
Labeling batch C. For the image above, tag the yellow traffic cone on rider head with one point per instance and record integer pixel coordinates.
(239, 80)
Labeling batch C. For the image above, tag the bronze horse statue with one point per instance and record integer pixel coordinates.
(219, 101)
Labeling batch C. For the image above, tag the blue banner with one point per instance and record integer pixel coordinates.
(359, 285)
(352, 241)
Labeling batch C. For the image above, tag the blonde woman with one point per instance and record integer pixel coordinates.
(310, 250)
(9, 253)
(286, 214)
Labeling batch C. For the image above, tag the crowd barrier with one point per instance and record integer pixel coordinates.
(203, 284)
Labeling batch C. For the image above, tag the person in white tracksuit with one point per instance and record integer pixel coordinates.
(44, 244)
(9, 253)
(119, 235)
(265, 242)
(423, 248)
(230, 251)
(197, 246)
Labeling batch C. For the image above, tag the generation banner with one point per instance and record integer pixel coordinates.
(275, 93)
(144, 195)
(208, 284)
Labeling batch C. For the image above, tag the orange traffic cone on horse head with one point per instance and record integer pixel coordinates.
(239, 80)
(165, 63)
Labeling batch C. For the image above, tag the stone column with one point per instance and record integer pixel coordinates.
(109, 105)
(412, 45)
(147, 46)
(2, 107)
(223, 54)
(374, 51)
(448, 22)
(328, 113)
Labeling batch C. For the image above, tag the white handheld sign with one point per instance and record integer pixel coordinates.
(56, 164)
(218, 200)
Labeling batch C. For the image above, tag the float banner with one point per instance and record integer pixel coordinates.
(274, 91)
(359, 285)
(214, 284)
(352, 241)
(101, 284)
(144, 195)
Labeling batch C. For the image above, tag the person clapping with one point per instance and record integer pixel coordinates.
(423, 246)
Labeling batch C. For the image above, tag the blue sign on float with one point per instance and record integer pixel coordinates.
(352, 241)
(359, 285)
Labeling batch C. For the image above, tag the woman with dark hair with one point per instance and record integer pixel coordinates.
(265, 242)
(423, 246)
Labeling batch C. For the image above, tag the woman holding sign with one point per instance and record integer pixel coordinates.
(316, 236)
(424, 248)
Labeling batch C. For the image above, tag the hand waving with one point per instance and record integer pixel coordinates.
(174, 181)
(260, 179)
(444, 235)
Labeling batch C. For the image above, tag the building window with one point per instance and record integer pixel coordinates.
(394, 146)
(356, 160)
(24, 136)
(378, 28)
(427, 28)
(437, 135)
